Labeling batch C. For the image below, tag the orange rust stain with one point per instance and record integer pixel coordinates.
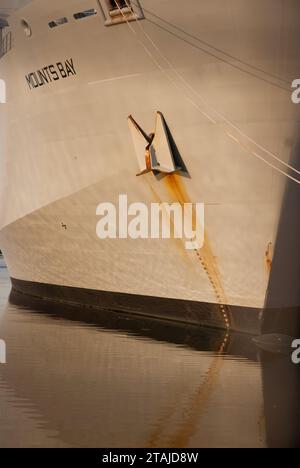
(209, 264)
(177, 188)
(205, 254)
(189, 425)
(178, 241)
(208, 261)
(269, 257)
(155, 437)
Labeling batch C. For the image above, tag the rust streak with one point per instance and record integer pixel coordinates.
(188, 428)
(155, 437)
(205, 254)
(208, 261)
(269, 257)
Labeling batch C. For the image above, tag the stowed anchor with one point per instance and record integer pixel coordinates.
(157, 156)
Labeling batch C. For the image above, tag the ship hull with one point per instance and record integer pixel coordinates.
(66, 147)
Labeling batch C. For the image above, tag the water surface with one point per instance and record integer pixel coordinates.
(77, 378)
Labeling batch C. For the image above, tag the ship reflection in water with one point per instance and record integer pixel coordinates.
(76, 379)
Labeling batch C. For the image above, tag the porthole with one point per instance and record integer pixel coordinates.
(26, 28)
(58, 22)
(85, 14)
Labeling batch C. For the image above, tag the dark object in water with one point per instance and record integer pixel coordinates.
(275, 343)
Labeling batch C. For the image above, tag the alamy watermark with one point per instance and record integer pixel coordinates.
(296, 92)
(2, 352)
(2, 92)
(157, 221)
(296, 353)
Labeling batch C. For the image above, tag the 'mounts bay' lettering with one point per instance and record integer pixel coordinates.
(51, 73)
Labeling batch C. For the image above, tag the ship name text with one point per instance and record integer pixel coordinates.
(51, 73)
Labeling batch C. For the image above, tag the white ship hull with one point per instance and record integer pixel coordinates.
(66, 147)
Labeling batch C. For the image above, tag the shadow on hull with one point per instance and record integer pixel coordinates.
(281, 378)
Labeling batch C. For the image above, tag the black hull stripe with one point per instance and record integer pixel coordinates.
(242, 319)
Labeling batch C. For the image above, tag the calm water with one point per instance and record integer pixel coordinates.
(76, 379)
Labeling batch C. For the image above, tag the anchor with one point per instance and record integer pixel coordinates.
(154, 151)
